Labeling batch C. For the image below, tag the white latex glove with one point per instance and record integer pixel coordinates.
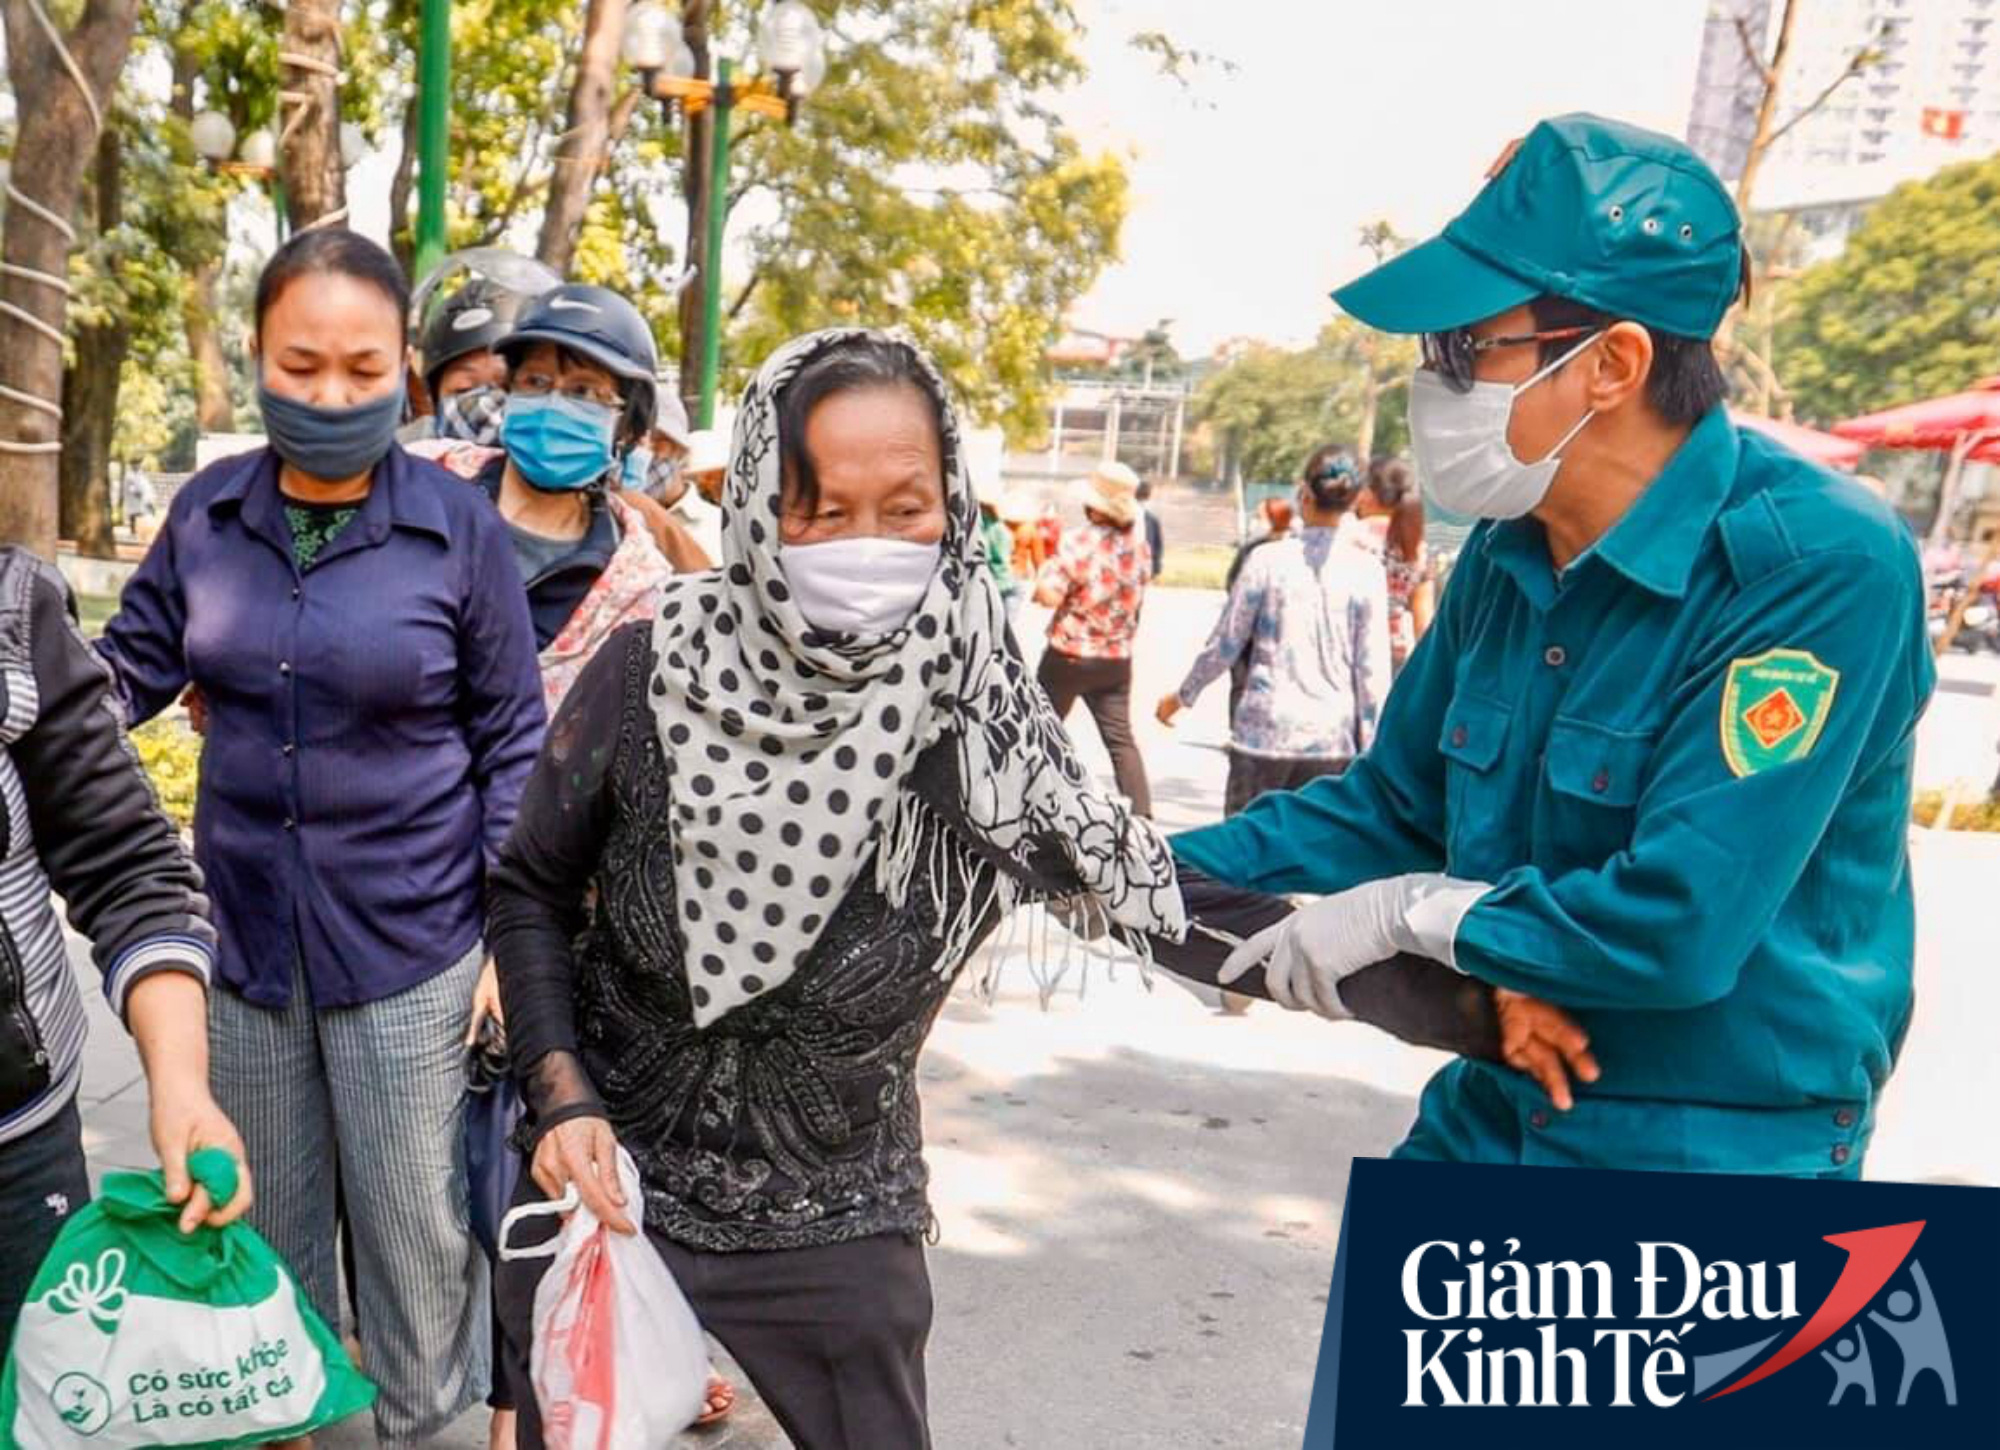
(1311, 952)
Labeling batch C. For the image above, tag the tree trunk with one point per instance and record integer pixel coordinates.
(90, 389)
(1760, 142)
(580, 154)
(1371, 398)
(213, 410)
(402, 235)
(694, 183)
(1767, 109)
(309, 160)
(55, 142)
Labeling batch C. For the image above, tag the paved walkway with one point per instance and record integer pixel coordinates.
(1139, 1199)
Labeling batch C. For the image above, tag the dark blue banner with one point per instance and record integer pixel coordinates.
(1662, 1309)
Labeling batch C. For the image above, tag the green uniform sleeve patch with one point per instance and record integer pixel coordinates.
(1774, 706)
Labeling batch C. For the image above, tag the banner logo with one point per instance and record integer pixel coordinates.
(1653, 1306)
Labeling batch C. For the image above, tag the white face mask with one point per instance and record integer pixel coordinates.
(1460, 442)
(859, 586)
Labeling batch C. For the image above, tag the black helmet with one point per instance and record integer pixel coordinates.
(472, 319)
(598, 324)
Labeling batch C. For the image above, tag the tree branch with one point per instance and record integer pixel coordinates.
(1856, 65)
(1757, 63)
(743, 297)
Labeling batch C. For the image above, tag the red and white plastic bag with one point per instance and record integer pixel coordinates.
(618, 1361)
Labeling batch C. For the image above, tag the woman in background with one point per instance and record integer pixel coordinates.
(1395, 513)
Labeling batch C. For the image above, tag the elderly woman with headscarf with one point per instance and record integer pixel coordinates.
(764, 836)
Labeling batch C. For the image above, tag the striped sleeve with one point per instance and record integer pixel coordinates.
(99, 832)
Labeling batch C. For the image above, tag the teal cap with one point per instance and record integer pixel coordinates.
(1624, 220)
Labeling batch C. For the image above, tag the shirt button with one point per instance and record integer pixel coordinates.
(1539, 1118)
(1841, 1152)
(1458, 736)
(1554, 657)
(1601, 782)
(295, 591)
(1844, 1118)
(284, 667)
(290, 824)
(288, 747)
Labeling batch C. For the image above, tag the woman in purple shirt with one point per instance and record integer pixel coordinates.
(355, 624)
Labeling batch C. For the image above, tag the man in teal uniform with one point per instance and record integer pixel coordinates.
(1652, 762)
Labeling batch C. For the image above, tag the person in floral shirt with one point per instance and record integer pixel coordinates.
(1311, 613)
(1096, 584)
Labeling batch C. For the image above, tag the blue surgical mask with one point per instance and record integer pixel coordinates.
(638, 464)
(559, 444)
(331, 443)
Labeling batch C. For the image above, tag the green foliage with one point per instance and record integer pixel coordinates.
(1278, 406)
(1974, 815)
(171, 754)
(1909, 310)
(1196, 566)
(930, 185)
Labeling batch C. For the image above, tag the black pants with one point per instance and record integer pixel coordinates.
(1251, 775)
(1105, 687)
(43, 1181)
(833, 1338)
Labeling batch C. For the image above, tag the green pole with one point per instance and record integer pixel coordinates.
(433, 132)
(711, 262)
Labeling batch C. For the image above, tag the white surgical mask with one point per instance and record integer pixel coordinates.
(859, 586)
(1460, 441)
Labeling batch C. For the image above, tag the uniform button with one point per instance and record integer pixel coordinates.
(284, 667)
(1458, 736)
(1601, 782)
(295, 591)
(1841, 1152)
(1538, 1119)
(1844, 1118)
(1554, 657)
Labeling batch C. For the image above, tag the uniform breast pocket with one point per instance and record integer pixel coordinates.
(1588, 804)
(1477, 819)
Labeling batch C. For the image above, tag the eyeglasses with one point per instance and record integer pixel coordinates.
(1451, 355)
(578, 390)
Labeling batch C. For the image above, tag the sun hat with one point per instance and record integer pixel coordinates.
(1111, 489)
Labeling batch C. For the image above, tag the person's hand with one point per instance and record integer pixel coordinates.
(1544, 1042)
(1307, 955)
(485, 1003)
(1169, 706)
(185, 1117)
(583, 1151)
(196, 705)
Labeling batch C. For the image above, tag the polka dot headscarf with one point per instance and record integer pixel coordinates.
(787, 753)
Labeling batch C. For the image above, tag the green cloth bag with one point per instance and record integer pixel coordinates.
(135, 1334)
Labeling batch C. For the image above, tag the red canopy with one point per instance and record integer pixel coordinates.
(1936, 423)
(1965, 425)
(1808, 442)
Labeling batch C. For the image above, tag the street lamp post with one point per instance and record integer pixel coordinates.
(792, 47)
(433, 132)
(256, 156)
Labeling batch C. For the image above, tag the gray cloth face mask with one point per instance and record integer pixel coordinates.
(331, 443)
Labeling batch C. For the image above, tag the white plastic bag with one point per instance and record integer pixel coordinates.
(618, 1361)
